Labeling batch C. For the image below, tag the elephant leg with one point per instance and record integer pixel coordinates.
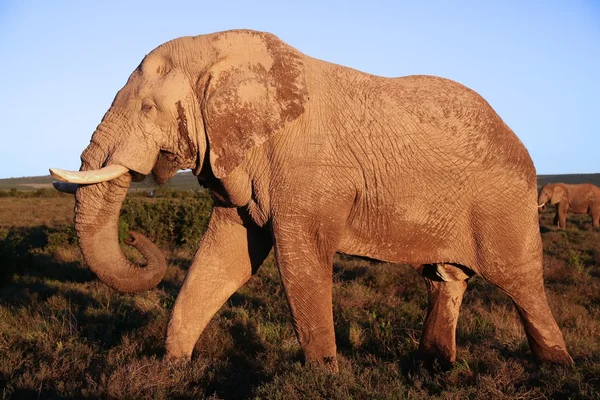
(596, 219)
(525, 287)
(445, 292)
(561, 212)
(230, 251)
(556, 218)
(307, 274)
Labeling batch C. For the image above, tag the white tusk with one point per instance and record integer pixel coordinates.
(65, 187)
(88, 177)
(542, 205)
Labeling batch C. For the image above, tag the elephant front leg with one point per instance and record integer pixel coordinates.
(561, 215)
(228, 253)
(306, 273)
(438, 339)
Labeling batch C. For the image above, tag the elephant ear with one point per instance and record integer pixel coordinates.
(557, 195)
(248, 99)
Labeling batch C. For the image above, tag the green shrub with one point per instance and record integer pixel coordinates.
(15, 247)
(167, 221)
(65, 236)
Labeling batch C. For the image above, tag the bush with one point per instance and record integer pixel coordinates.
(167, 221)
(45, 193)
(166, 193)
(66, 236)
(15, 249)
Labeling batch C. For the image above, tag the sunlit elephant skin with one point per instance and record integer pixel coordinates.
(311, 158)
(581, 198)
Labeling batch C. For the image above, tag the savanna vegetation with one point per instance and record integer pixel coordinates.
(63, 334)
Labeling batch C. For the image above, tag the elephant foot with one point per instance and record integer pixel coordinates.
(436, 359)
(562, 359)
(551, 355)
(178, 361)
(176, 354)
(178, 351)
(328, 364)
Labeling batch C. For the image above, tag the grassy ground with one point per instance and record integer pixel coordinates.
(36, 211)
(65, 335)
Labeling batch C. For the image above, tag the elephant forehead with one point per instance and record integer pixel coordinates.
(173, 86)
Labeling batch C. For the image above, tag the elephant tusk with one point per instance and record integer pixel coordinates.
(88, 177)
(65, 187)
(541, 205)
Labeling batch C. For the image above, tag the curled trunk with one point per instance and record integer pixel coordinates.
(97, 209)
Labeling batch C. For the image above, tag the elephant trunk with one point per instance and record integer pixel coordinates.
(542, 200)
(97, 209)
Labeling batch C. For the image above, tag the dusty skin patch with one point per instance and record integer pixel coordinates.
(187, 148)
(258, 90)
(240, 48)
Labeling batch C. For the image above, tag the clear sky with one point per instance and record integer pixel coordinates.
(536, 62)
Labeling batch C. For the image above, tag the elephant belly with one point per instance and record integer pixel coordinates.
(406, 241)
(579, 208)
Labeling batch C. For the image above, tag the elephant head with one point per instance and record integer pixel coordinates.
(552, 192)
(199, 103)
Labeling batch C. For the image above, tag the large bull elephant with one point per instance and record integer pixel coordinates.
(581, 198)
(312, 158)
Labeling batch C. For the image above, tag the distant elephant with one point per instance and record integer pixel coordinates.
(582, 198)
(312, 158)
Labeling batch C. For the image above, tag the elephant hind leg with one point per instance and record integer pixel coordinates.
(525, 286)
(446, 285)
(596, 219)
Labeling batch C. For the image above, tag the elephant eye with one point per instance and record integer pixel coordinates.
(147, 107)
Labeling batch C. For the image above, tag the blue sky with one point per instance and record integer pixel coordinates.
(536, 62)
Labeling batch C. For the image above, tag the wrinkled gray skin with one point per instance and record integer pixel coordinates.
(312, 158)
(581, 198)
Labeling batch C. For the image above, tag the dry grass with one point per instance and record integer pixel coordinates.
(36, 211)
(65, 335)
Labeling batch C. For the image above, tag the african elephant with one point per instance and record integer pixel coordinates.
(581, 198)
(312, 158)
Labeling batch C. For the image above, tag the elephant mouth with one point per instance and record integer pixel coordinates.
(136, 176)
